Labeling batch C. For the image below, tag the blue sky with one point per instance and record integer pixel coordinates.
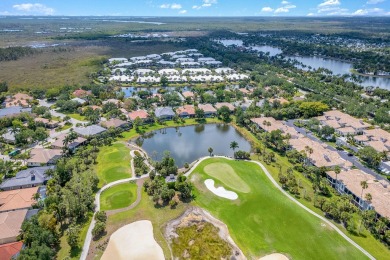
(197, 7)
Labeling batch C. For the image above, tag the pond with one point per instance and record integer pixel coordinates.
(227, 43)
(189, 143)
(265, 48)
(341, 67)
(131, 91)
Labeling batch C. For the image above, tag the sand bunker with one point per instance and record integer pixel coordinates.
(275, 256)
(134, 241)
(220, 191)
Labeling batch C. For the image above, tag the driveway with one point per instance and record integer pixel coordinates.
(343, 154)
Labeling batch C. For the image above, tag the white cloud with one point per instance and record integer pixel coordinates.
(284, 9)
(310, 14)
(205, 3)
(329, 3)
(171, 6)
(372, 11)
(34, 8)
(374, 2)
(281, 10)
(332, 7)
(183, 12)
(267, 9)
(285, 2)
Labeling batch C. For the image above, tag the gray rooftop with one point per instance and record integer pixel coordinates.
(164, 111)
(33, 176)
(89, 130)
(9, 111)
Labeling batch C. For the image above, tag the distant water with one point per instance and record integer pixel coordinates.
(341, 67)
(227, 43)
(265, 48)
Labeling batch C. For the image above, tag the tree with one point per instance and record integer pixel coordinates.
(337, 171)
(312, 109)
(101, 216)
(73, 238)
(199, 113)
(370, 156)
(164, 81)
(364, 186)
(224, 113)
(234, 145)
(368, 197)
(210, 150)
(99, 229)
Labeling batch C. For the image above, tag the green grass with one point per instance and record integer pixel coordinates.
(77, 116)
(265, 221)
(65, 251)
(113, 163)
(225, 173)
(119, 196)
(152, 127)
(145, 210)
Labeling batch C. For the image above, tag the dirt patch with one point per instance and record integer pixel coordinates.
(275, 256)
(200, 219)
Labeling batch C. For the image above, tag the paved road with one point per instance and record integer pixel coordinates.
(343, 154)
(295, 201)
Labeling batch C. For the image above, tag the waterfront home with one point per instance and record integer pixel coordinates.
(164, 113)
(209, 110)
(186, 111)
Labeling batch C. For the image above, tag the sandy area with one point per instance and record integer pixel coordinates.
(134, 241)
(220, 191)
(275, 256)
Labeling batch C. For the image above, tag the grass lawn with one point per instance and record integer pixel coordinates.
(265, 221)
(113, 163)
(66, 252)
(148, 128)
(145, 210)
(76, 116)
(119, 196)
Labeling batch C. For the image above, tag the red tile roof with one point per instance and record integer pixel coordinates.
(17, 199)
(7, 251)
(142, 114)
(186, 109)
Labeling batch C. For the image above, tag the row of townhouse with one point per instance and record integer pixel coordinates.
(363, 134)
(348, 181)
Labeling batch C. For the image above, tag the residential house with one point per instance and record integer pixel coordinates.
(79, 100)
(209, 110)
(349, 182)
(27, 178)
(188, 94)
(186, 111)
(9, 137)
(115, 123)
(89, 131)
(224, 104)
(18, 100)
(46, 122)
(10, 225)
(42, 156)
(10, 250)
(81, 93)
(17, 199)
(143, 72)
(13, 111)
(141, 114)
(164, 113)
(59, 142)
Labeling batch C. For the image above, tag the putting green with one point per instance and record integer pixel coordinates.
(119, 196)
(227, 175)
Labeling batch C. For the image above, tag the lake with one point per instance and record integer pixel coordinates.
(265, 48)
(189, 143)
(227, 43)
(341, 67)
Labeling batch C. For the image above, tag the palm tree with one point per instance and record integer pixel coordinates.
(337, 171)
(364, 185)
(234, 145)
(210, 150)
(36, 196)
(368, 197)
